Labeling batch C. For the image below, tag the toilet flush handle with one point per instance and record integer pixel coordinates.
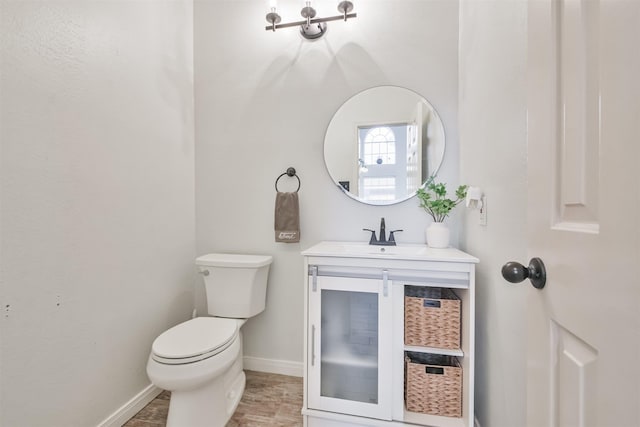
(205, 272)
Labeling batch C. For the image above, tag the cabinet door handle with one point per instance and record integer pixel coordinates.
(313, 345)
(385, 283)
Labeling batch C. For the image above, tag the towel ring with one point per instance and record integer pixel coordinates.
(290, 172)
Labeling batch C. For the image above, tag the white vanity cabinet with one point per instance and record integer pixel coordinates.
(354, 358)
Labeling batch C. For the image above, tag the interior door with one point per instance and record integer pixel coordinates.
(583, 137)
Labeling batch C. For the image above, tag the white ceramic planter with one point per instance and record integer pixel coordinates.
(438, 235)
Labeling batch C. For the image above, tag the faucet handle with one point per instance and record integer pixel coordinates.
(391, 236)
(373, 235)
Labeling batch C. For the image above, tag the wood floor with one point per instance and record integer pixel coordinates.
(268, 400)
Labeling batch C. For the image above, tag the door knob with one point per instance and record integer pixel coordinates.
(515, 272)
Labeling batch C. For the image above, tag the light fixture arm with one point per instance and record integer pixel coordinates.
(309, 13)
(311, 21)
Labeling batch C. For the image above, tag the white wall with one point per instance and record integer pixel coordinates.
(493, 52)
(263, 103)
(97, 215)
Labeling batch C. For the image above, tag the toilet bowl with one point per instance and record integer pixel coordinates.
(205, 378)
(200, 360)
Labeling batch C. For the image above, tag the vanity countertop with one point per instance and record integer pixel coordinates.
(412, 252)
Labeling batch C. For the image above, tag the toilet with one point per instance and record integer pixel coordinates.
(200, 360)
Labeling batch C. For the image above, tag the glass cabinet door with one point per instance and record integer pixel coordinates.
(350, 346)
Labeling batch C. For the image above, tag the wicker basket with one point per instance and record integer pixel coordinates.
(433, 384)
(431, 317)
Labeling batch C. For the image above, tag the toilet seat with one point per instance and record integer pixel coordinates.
(194, 340)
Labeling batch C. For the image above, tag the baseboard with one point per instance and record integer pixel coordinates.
(273, 366)
(132, 407)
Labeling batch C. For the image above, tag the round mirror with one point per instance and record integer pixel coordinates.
(383, 144)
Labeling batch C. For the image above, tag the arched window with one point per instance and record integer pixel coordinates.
(379, 146)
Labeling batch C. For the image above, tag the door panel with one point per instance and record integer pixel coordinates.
(574, 378)
(577, 143)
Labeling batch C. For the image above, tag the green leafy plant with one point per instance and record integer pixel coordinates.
(433, 199)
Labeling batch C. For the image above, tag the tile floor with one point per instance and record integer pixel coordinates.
(268, 400)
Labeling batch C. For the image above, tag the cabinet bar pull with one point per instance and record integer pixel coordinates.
(313, 345)
(314, 279)
(385, 283)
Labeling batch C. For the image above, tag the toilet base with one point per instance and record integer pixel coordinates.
(211, 405)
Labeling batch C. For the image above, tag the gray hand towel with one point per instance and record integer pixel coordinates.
(287, 218)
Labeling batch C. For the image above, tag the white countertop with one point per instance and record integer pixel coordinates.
(414, 252)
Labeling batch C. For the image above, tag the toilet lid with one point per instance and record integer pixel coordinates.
(234, 260)
(195, 337)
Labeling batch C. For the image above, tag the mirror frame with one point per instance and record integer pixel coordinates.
(432, 174)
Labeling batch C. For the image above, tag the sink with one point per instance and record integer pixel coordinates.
(362, 249)
(385, 250)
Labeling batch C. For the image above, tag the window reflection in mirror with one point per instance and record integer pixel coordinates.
(384, 158)
(383, 144)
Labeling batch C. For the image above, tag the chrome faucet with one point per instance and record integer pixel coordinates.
(383, 240)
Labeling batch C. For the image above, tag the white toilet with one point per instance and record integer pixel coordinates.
(200, 360)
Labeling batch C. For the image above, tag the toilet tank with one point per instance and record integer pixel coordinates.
(236, 284)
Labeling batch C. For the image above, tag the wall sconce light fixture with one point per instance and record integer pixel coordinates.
(312, 27)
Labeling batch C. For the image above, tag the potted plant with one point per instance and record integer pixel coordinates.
(433, 199)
